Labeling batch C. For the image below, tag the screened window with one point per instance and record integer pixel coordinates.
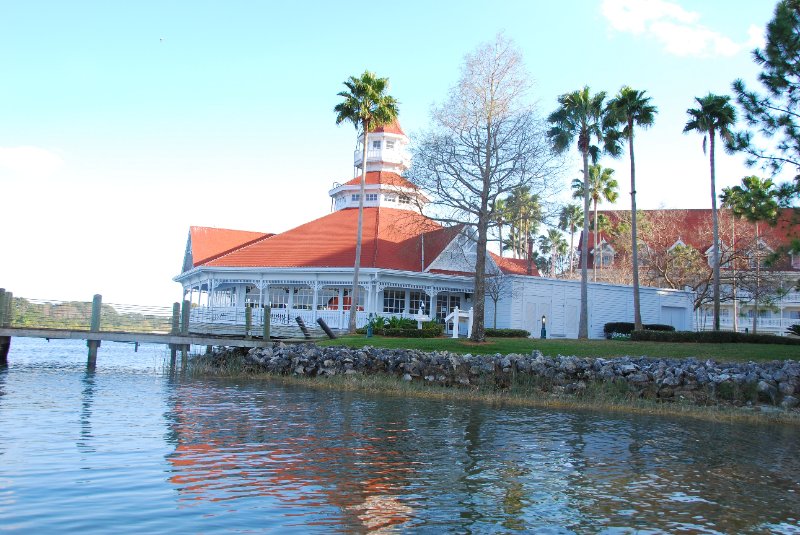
(394, 301)
(278, 297)
(355, 196)
(419, 301)
(303, 298)
(376, 144)
(445, 304)
(371, 197)
(328, 299)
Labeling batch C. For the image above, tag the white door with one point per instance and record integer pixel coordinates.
(674, 316)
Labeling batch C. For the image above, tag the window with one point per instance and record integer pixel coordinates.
(303, 298)
(328, 299)
(371, 197)
(390, 198)
(795, 261)
(394, 301)
(278, 297)
(376, 144)
(355, 196)
(405, 199)
(445, 305)
(419, 301)
(389, 143)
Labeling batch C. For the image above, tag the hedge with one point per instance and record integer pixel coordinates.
(712, 337)
(429, 330)
(627, 327)
(507, 333)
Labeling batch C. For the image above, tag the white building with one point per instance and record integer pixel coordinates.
(408, 263)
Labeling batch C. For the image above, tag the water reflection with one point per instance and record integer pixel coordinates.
(368, 463)
(87, 400)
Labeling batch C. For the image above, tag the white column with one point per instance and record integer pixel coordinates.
(340, 308)
(407, 305)
(315, 301)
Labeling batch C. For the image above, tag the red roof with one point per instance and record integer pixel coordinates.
(208, 242)
(390, 128)
(514, 266)
(392, 239)
(694, 227)
(382, 177)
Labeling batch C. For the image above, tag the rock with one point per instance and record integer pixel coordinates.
(406, 377)
(790, 402)
(766, 392)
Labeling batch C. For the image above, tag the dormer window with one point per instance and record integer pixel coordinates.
(606, 256)
(376, 144)
(371, 197)
(795, 260)
(405, 199)
(390, 144)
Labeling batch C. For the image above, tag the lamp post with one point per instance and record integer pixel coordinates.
(544, 326)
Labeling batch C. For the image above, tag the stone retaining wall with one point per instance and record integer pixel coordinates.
(774, 382)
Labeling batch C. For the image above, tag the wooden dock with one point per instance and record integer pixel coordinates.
(159, 328)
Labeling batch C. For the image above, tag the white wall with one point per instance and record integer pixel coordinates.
(559, 301)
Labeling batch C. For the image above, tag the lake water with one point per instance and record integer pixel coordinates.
(130, 448)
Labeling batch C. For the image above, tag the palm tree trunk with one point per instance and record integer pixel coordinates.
(756, 296)
(572, 249)
(351, 326)
(716, 232)
(583, 323)
(594, 255)
(637, 314)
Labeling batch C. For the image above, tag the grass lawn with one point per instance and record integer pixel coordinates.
(581, 348)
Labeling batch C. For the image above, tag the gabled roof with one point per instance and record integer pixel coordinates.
(382, 177)
(514, 266)
(392, 239)
(208, 242)
(391, 128)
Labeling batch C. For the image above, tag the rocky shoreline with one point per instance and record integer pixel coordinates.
(775, 383)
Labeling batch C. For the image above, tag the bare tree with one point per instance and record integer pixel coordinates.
(486, 140)
(498, 286)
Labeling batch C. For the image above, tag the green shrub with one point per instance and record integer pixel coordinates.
(411, 333)
(626, 328)
(794, 329)
(507, 333)
(711, 337)
(396, 322)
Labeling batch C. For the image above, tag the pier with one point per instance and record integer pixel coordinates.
(97, 322)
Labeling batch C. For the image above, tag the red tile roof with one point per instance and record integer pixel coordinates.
(382, 177)
(391, 128)
(209, 242)
(514, 266)
(392, 239)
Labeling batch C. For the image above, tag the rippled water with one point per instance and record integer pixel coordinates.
(129, 448)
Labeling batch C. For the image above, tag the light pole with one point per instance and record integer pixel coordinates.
(544, 326)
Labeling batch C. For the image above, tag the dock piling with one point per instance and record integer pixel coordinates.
(97, 305)
(5, 341)
(185, 311)
(248, 322)
(265, 326)
(176, 330)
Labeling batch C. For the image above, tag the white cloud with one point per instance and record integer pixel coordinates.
(679, 31)
(30, 161)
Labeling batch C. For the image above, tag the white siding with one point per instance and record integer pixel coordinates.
(559, 302)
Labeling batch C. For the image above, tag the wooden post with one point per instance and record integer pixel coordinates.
(185, 310)
(2, 307)
(248, 321)
(176, 330)
(97, 304)
(267, 319)
(5, 341)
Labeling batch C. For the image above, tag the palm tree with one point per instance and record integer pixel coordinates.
(602, 187)
(367, 106)
(754, 201)
(568, 220)
(628, 109)
(715, 114)
(580, 114)
(501, 216)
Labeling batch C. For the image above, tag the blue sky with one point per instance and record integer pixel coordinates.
(122, 124)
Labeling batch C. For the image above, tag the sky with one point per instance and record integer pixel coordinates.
(122, 124)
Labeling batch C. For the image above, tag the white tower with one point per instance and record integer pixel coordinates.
(387, 159)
